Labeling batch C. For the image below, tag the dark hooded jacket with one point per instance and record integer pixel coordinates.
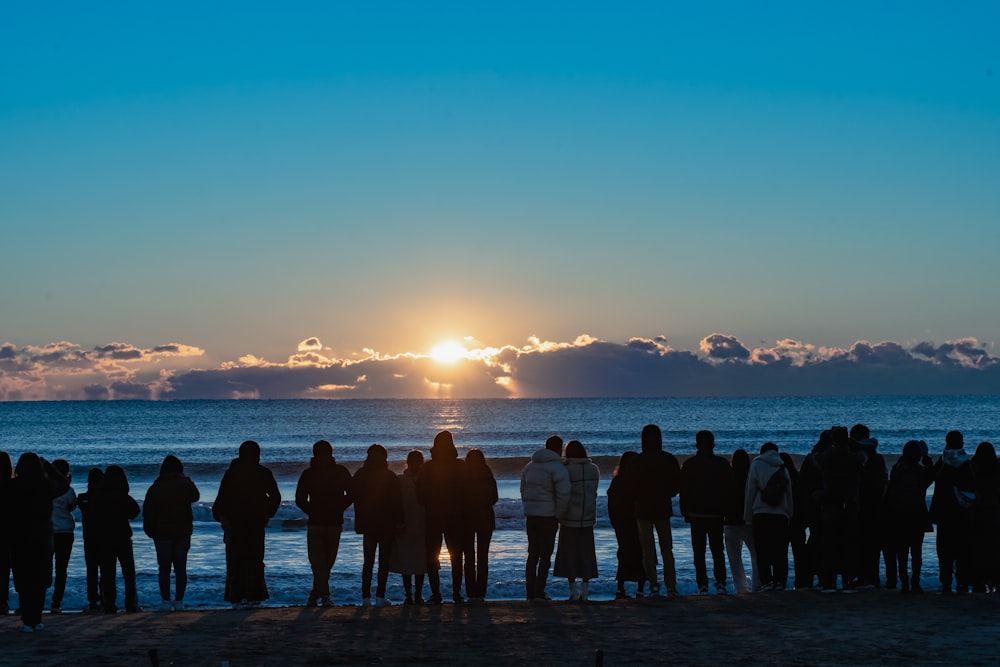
(113, 508)
(952, 482)
(653, 477)
(480, 497)
(441, 487)
(905, 504)
(166, 511)
(248, 495)
(378, 499)
(706, 481)
(323, 491)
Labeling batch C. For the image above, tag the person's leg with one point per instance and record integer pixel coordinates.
(648, 545)
(433, 537)
(127, 560)
(698, 536)
(733, 540)
(916, 560)
(456, 541)
(761, 540)
(718, 554)
(532, 528)
(483, 539)
(62, 548)
(181, 548)
(666, 539)
(549, 528)
(471, 562)
(945, 554)
(108, 576)
(369, 543)
(315, 551)
(780, 551)
(384, 555)
(164, 560)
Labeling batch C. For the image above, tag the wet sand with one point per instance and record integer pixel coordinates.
(869, 628)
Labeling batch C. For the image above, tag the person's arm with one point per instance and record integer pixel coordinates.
(302, 494)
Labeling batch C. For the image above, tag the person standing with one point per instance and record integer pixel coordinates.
(91, 546)
(480, 497)
(736, 532)
(838, 502)
(576, 556)
(621, 515)
(28, 516)
(951, 510)
(409, 552)
(871, 492)
(113, 510)
(63, 527)
(167, 519)
(441, 489)
(6, 475)
(906, 517)
(653, 480)
(248, 498)
(769, 516)
(323, 493)
(545, 493)
(378, 515)
(706, 479)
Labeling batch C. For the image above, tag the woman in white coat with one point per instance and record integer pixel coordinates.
(576, 555)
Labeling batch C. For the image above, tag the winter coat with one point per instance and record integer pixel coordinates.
(441, 489)
(704, 484)
(584, 477)
(654, 477)
(840, 473)
(952, 478)
(248, 496)
(62, 512)
(761, 470)
(905, 504)
(480, 497)
(545, 485)
(166, 511)
(409, 553)
(323, 492)
(112, 508)
(378, 501)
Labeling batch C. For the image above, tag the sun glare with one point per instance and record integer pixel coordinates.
(448, 352)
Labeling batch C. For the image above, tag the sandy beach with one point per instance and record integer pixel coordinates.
(868, 628)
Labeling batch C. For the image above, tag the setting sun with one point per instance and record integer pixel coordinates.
(449, 352)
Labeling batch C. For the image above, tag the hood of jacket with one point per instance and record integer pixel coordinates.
(544, 455)
(953, 458)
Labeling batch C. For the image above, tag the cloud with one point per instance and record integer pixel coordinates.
(583, 367)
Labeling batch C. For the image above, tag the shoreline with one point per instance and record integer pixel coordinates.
(872, 627)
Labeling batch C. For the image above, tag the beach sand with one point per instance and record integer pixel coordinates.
(868, 628)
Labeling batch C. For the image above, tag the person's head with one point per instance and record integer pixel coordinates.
(840, 436)
(652, 438)
(171, 465)
(377, 456)
(475, 457)
(115, 480)
(575, 450)
(860, 432)
(28, 466)
(789, 462)
(954, 440)
(704, 441)
(250, 452)
(912, 451)
(768, 447)
(322, 449)
(554, 444)
(623, 461)
(62, 467)
(985, 451)
(444, 446)
(414, 460)
(740, 462)
(94, 478)
(6, 466)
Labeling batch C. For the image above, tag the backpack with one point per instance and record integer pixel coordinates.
(774, 491)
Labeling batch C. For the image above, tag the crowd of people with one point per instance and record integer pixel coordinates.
(841, 513)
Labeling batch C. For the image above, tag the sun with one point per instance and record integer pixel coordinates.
(449, 352)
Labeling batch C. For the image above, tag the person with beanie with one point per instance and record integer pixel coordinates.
(167, 518)
(378, 515)
(706, 479)
(441, 489)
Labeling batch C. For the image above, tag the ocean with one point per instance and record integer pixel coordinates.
(205, 435)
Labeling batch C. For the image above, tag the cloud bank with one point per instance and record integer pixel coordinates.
(585, 367)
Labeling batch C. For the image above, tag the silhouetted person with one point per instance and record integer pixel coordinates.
(248, 498)
(441, 489)
(951, 511)
(797, 525)
(736, 532)
(6, 475)
(545, 491)
(986, 518)
(409, 552)
(576, 556)
(91, 546)
(112, 510)
(28, 509)
(63, 527)
(323, 493)
(839, 500)
(871, 491)
(769, 521)
(378, 514)
(167, 518)
(706, 479)
(807, 492)
(654, 479)
(480, 497)
(905, 511)
(621, 514)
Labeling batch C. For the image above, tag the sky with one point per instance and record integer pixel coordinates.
(397, 199)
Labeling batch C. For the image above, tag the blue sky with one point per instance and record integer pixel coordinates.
(224, 186)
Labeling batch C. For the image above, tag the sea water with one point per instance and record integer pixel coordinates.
(205, 435)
